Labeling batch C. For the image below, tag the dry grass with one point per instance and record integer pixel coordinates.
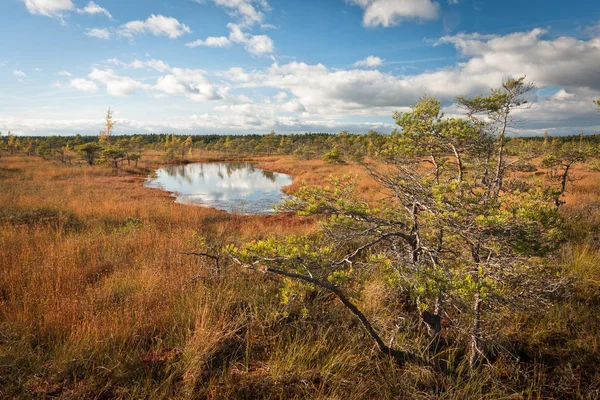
(96, 302)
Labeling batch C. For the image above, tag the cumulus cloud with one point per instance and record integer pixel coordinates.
(49, 8)
(332, 92)
(187, 82)
(151, 64)
(392, 12)
(259, 44)
(318, 92)
(562, 94)
(84, 85)
(316, 97)
(94, 9)
(190, 83)
(116, 85)
(197, 123)
(564, 61)
(370, 61)
(211, 41)
(254, 44)
(98, 33)
(157, 25)
(248, 12)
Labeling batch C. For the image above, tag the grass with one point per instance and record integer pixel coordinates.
(97, 302)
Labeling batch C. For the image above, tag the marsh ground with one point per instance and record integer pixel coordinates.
(97, 302)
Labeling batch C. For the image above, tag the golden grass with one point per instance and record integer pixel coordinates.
(97, 302)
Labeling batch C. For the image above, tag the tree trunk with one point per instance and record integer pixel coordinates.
(434, 321)
(499, 169)
(437, 169)
(400, 357)
(475, 347)
(563, 185)
(459, 164)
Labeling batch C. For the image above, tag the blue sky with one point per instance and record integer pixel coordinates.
(250, 66)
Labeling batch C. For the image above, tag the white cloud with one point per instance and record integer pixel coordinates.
(93, 8)
(564, 61)
(152, 64)
(392, 12)
(116, 85)
(157, 25)
(211, 41)
(281, 96)
(187, 82)
(259, 44)
(64, 73)
(248, 12)
(49, 8)
(190, 83)
(562, 95)
(157, 65)
(313, 97)
(19, 74)
(98, 33)
(370, 61)
(248, 122)
(84, 85)
(333, 92)
(254, 44)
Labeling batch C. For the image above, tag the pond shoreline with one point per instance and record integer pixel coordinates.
(238, 187)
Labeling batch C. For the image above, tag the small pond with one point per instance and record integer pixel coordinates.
(236, 187)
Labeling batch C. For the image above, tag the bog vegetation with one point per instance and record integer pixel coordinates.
(448, 259)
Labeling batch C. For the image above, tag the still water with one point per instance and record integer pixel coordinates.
(235, 187)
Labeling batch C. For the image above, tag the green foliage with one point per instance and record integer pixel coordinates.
(334, 156)
(89, 151)
(113, 155)
(560, 159)
(128, 225)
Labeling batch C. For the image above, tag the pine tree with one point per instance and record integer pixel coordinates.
(109, 124)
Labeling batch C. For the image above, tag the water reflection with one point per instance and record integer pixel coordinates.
(234, 187)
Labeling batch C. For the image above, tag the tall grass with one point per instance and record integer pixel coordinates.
(97, 302)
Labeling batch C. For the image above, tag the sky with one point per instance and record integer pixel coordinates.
(252, 66)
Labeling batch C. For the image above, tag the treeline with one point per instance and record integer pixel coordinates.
(340, 148)
(90, 149)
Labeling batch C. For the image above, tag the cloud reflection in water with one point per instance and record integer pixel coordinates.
(234, 187)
